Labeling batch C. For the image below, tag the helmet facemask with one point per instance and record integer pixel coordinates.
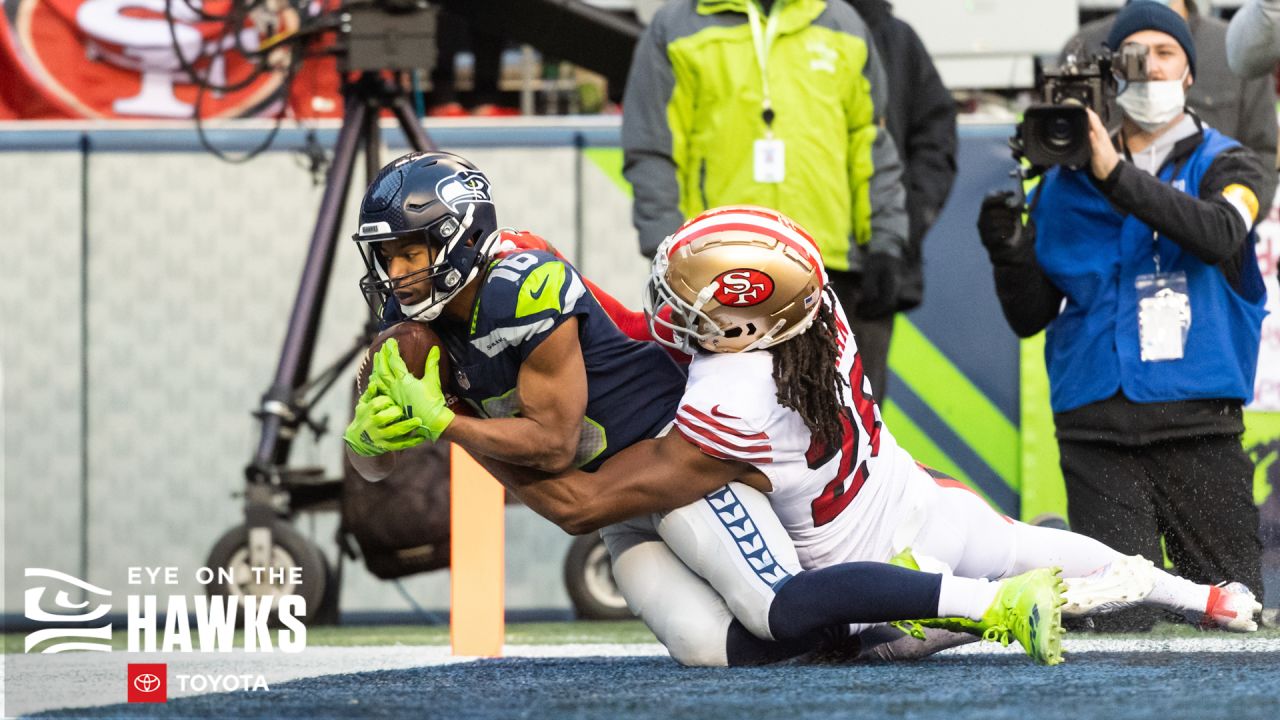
(458, 256)
(436, 199)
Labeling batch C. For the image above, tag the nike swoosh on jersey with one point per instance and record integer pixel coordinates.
(716, 411)
(535, 294)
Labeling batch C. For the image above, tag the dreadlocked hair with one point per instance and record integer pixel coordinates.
(806, 371)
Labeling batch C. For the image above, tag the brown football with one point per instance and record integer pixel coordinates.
(415, 340)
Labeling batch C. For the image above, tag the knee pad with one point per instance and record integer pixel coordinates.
(696, 642)
(680, 608)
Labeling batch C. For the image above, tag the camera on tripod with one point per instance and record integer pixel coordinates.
(389, 35)
(1056, 130)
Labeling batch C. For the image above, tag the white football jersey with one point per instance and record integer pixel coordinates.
(837, 504)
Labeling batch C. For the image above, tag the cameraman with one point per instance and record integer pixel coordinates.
(1142, 268)
(1243, 108)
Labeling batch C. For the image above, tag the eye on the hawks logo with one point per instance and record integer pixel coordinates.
(116, 59)
(743, 287)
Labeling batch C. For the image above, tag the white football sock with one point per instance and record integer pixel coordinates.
(1178, 594)
(966, 597)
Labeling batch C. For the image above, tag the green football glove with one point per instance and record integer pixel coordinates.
(419, 399)
(378, 428)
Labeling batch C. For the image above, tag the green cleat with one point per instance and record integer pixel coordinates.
(905, 559)
(915, 628)
(1028, 607)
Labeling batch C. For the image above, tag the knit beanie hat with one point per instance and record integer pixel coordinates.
(1147, 15)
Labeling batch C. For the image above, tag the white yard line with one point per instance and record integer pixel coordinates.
(33, 683)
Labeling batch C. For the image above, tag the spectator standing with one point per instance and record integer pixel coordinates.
(1253, 38)
(1142, 267)
(921, 118)
(777, 103)
(1243, 109)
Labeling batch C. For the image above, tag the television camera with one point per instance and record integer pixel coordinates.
(1055, 131)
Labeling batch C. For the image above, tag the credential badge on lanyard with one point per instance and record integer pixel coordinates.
(1164, 313)
(770, 153)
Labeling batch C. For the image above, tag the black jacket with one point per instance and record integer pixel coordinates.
(922, 121)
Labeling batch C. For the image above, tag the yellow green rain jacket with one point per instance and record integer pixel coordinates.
(693, 110)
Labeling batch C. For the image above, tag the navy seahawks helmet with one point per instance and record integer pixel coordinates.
(442, 200)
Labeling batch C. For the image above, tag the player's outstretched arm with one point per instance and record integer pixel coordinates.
(552, 388)
(650, 476)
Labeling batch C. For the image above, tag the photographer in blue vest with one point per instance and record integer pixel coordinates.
(1141, 267)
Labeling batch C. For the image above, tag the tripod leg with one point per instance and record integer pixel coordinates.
(278, 423)
(413, 129)
(372, 147)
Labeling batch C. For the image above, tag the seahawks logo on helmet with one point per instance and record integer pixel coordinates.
(463, 186)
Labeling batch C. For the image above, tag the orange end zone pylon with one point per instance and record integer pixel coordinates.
(476, 624)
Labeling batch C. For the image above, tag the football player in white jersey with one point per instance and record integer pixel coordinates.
(776, 400)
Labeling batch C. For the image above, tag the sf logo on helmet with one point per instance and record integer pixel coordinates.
(743, 287)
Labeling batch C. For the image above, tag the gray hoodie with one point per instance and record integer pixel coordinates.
(1253, 40)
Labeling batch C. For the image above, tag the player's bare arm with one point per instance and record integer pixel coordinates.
(552, 390)
(651, 476)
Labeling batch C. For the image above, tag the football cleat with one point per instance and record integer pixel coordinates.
(1028, 608)
(1231, 607)
(915, 629)
(1122, 583)
(905, 648)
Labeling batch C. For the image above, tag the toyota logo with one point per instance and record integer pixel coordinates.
(146, 683)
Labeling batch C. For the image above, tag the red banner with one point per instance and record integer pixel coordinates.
(119, 59)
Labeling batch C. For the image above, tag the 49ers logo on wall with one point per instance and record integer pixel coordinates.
(743, 287)
(116, 59)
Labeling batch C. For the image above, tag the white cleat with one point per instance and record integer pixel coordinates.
(1122, 583)
(1231, 607)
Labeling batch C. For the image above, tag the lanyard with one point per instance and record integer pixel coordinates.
(1173, 174)
(763, 39)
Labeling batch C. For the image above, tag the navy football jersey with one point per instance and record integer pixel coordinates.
(632, 386)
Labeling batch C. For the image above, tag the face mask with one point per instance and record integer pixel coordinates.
(1153, 103)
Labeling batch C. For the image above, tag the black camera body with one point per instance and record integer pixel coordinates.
(1055, 131)
(389, 35)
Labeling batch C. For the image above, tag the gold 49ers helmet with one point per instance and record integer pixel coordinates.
(735, 278)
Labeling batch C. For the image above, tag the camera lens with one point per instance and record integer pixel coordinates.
(1059, 132)
(1056, 135)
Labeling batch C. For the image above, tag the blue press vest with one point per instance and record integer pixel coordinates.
(1094, 254)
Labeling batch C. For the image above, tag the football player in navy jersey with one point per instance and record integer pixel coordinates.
(557, 385)
(552, 378)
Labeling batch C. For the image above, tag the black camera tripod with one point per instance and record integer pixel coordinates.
(274, 491)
